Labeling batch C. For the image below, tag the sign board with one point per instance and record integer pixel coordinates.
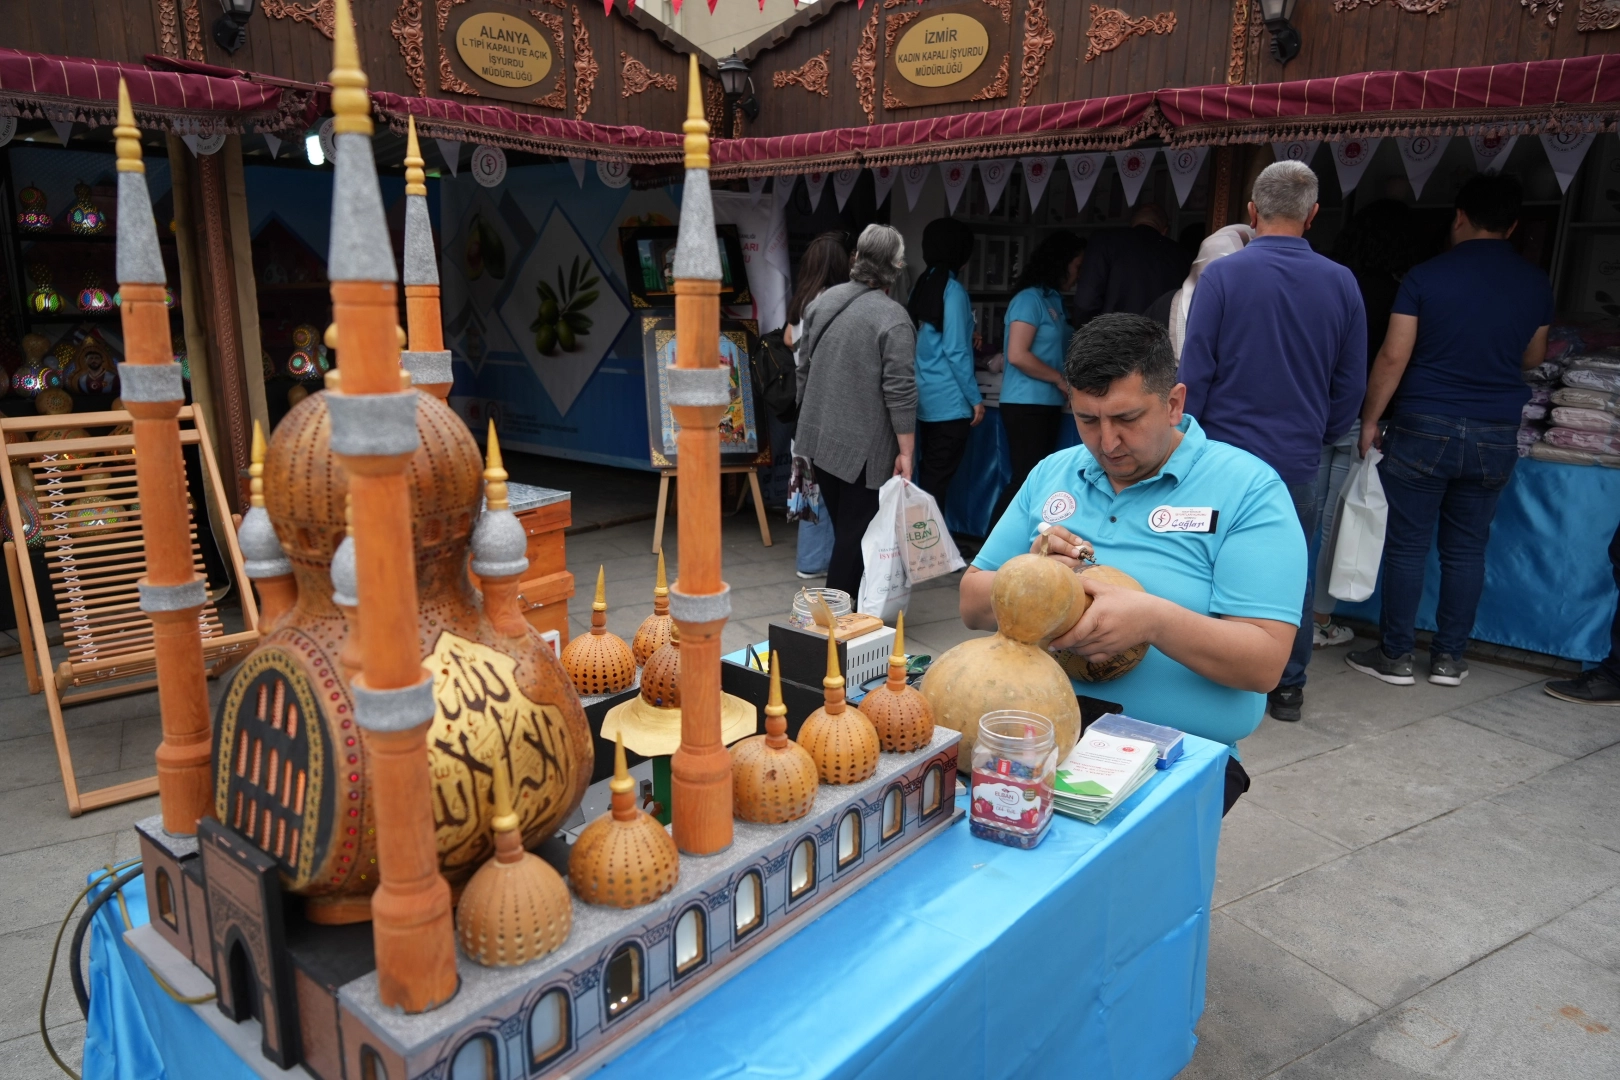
(505, 51)
(959, 50)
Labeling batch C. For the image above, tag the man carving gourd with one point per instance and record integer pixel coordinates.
(1208, 531)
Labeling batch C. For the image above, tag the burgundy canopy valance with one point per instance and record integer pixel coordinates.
(534, 134)
(84, 90)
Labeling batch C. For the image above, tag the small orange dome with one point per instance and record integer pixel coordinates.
(599, 662)
(838, 736)
(624, 858)
(773, 778)
(902, 716)
(661, 678)
(655, 630)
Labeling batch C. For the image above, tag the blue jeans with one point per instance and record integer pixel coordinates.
(1330, 476)
(1611, 663)
(1451, 470)
(1304, 496)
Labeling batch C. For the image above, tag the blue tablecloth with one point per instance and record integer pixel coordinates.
(967, 959)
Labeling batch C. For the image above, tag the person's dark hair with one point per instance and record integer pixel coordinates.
(825, 263)
(1491, 201)
(1112, 347)
(1050, 262)
(947, 245)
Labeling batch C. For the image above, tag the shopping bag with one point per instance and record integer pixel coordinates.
(1358, 531)
(929, 549)
(884, 590)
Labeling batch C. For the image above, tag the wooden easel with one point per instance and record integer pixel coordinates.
(666, 475)
(95, 563)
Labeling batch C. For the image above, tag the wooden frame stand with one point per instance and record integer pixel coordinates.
(666, 475)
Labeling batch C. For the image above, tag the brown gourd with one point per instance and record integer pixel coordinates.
(1077, 665)
(1035, 598)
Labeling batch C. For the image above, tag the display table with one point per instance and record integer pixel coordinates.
(967, 959)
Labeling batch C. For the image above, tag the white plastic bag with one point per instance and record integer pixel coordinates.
(929, 549)
(1358, 531)
(884, 590)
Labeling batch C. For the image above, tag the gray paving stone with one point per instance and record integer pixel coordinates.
(1343, 702)
(1398, 916)
(1531, 1009)
(1531, 715)
(1263, 1008)
(1259, 849)
(1368, 790)
(26, 761)
(1275, 744)
(35, 885)
(1579, 799)
(137, 744)
(24, 957)
(24, 1058)
(37, 816)
(939, 636)
(1591, 930)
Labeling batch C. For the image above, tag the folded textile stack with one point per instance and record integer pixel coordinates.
(1585, 417)
(1100, 773)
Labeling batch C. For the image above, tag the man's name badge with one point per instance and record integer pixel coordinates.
(1184, 519)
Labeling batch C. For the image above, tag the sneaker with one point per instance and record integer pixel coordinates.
(1285, 702)
(1397, 671)
(1588, 688)
(1446, 670)
(808, 576)
(1329, 634)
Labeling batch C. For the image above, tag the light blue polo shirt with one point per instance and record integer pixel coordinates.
(946, 387)
(1042, 309)
(1252, 565)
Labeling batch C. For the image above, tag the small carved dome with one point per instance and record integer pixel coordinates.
(656, 629)
(773, 778)
(499, 544)
(345, 578)
(262, 556)
(624, 858)
(838, 736)
(599, 662)
(902, 716)
(661, 678)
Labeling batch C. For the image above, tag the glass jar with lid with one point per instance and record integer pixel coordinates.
(1014, 765)
(805, 606)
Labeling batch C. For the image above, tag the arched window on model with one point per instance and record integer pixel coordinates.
(549, 1027)
(802, 868)
(894, 812)
(691, 944)
(932, 790)
(622, 988)
(849, 838)
(476, 1059)
(748, 904)
(371, 1064)
(165, 898)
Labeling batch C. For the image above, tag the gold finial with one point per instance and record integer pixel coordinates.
(899, 639)
(506, 819)
(696, 128)
(351, 105)
(494, 475)
(774, 706)
(600, 603)
(833, 680)
(662, 588)
(128, 136)
(348, 513)
(675, 634)
(621, 784)
(415, 178)
(256, 468)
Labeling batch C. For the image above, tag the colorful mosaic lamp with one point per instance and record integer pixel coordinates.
(44, 300)
(83, 217)
(93, 297)
(32, 217)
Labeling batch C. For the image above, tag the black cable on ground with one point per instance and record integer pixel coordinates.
(75, 950)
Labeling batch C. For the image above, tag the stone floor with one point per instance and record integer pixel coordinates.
(1423, 882)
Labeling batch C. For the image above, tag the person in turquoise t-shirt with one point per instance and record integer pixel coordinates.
(1035, 339)
(1207, 529)
(948, 401)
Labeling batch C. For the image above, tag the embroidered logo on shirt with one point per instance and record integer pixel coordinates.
(1059, 507)
(1194, 519)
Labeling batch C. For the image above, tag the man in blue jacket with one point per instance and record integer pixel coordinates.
(1275, 361)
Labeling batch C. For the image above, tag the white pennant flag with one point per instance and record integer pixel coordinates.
(64, 130)
(1566, 150)
(1184, 165)
(1297, 150)
(578, 165)
(1420, 154)
(274, 144)
(955, 175)
(756, 186)
(883, 178)
(1037, 174)
(1351, 158)
(994, 175)
(815, 183)
(1083, 172)
(915, 176)
(844, 183)
(450, 150)
(8, 128)
(1134, 165)
(1491, 151)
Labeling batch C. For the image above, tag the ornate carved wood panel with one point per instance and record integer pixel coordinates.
(637, 78)
(1111, 28)
(1038, 41)
(812, 75)
(321, 14)
(585, 68)
(407, 30)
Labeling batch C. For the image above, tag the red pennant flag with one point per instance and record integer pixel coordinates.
(607, 7)
(711, 6)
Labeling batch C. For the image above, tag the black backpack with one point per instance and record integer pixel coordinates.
(775, 378)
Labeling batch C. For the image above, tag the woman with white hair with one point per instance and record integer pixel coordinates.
(858, 394)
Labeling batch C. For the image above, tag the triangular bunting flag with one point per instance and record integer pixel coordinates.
(1351, 158)
(64, 130)
(191, 143)
(578, 165)
(756, 186)
(1083, 172)
(450, 150)
(883, 178)
(915, 176)
(1184, 165)
(1565, 150)
(1297, 150)
(814, 184)
(844, 183)
(1420, 154)
(1134, 166)
(994, 176)
(1491, 151)
(274, 143)
(1037, 174)
(955, 174)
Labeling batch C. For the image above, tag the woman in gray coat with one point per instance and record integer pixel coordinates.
(858, 395)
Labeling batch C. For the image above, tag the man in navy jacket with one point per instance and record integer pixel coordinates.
(1275, 360)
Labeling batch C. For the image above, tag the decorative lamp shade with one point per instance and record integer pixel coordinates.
(733, 74)
(838, 736)
(83, 217)
(93, 514)
(656, 629)
(773, 778)
(599, 662)
(53, 401)
(44, 300)
(309, 356)
(902, 716)
(93, 297)
(624, 858)
(1274, 10)
(36, 373)
(243, 8)
(32, 217)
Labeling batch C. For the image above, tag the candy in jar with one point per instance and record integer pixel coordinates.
(1014, 763)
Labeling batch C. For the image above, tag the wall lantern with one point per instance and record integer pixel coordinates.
(735, 82)
(1284, 38)
(230, 29)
